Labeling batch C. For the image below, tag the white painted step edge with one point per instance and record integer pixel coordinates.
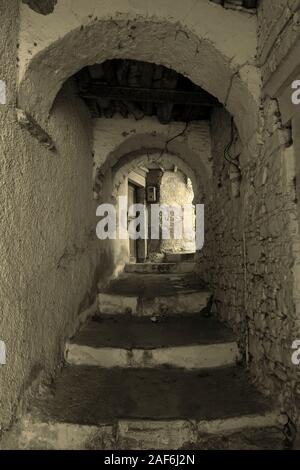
(187, 357)
(186, 302)
(30, 433)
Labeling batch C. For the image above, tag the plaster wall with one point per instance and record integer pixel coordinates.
(48, 249)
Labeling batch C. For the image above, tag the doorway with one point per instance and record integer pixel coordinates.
(132, 199)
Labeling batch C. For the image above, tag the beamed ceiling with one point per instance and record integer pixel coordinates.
(139, 89)
(249, 4)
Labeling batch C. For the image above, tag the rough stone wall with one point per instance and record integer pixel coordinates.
(278, 31)
(271, 237)
(250, 257)
(251, 253)
(276, 257)
(48, 258)
(221, 260)
(174, 189)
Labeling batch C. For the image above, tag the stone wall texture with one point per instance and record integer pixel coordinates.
(274, 257)
(221, 262)
(251, 253)
(278, 33)
(175, 189)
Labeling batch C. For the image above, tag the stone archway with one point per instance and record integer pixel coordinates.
(130, 161)
(140, 149)
(137, 147)
(206, 52)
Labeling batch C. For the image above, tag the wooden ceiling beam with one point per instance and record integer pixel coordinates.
(155, 95)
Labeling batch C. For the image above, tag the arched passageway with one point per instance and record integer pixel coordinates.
(221, 152)
(205, 54)
(173, 180)
(209, 56)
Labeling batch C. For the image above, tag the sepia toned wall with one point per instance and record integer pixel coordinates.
(223, 249)
(277, 311)
(278, 34)
(48, 253)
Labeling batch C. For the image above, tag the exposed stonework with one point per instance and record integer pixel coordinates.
(278, 47)
(221, 261)
(278, 32)
(175, 189)
(253, 255)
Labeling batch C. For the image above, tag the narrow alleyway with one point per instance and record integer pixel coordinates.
(152, 370)
(111, 341)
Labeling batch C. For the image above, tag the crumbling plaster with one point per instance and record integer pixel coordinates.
(169, 33)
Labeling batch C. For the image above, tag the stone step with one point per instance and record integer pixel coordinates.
(191, 342)
(160, 268)
(93, 408)
(179, 257)
(153, 294)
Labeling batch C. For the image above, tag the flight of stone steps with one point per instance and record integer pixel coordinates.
(152, 370)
